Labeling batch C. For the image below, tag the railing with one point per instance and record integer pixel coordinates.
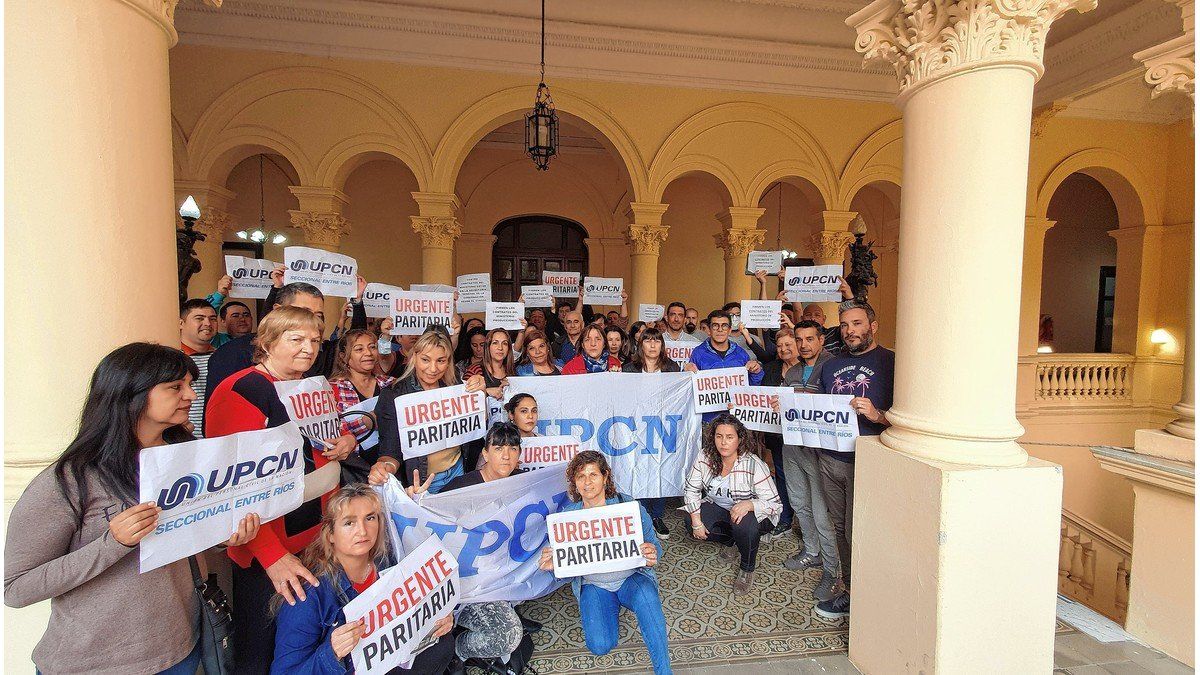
(1083, 377)
(1094, 566)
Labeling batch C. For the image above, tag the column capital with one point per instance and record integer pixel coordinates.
(321, 229)
(1035, 226)
(437, 203)
(1171, 66)
(213, 223)
(738, 242)
(926, 40)
(829, 246)
(837, 221)
(319, 199)
(646, 213)
(437, 231)
(646, 239)
(206, 194)
(740, 217)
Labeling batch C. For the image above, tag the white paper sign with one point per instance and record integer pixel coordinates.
(433, 288)
(565, 284)
(474, 292)
(542, 451)
(818, 283)
(820, 421)
(413, 312)
(334, 274)
(359, 413)
(506, 315)
(764, 261)
(602, 290)
(761, 313)
(206, 487)
(377, 300)
(440, 418)
(402, 606)
(650, 313)
(679, 351)
(251, 276)
(752, 405)
(596, 540)
(538, 296)
(311, 405)
(710, 388)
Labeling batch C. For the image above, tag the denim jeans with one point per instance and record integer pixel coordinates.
(440, 479)
(654, 506)
(598, 610)
(188, 665)
(745, 534)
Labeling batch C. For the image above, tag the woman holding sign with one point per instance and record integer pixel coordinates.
(601, 596)
(594, 357)
(650, 357)
(537, 360)
(73, 535)
(354, 379)
(497, 363)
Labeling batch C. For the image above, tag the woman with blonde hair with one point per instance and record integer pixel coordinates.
(346, 557)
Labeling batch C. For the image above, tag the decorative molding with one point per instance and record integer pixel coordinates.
(738, 242)
(829, 245)
(646, 239)
(1171, 66)
(1043, 115)
(323, 230)
(213, 223)
(437, 231)
(1153, 471)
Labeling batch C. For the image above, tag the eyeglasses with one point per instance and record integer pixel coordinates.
(719, 326)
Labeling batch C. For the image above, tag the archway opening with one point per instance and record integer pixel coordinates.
(691, 268)
(792, 216)
(529, 245)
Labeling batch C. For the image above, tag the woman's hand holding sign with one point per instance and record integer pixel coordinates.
(247, 530)
(345, 638)
(337, 449)
(288, 575)
(134, 523)
(475, 383)
(650, 553)
(381, 470)
(546, 562)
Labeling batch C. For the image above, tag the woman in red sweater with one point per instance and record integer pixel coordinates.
(286, 346)
(594, 357)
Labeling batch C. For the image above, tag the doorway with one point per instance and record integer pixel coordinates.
(529, 245)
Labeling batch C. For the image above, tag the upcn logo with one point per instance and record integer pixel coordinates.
(377, 295)
(299, 265)
(193, 485)
(242, 273)
(321, 266)
(791, 415)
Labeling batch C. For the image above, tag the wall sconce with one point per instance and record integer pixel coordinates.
(1045, 349)
(1160, 336)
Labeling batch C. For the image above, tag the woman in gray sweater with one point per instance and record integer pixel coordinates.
(72, 534)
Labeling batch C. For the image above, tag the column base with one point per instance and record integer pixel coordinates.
(1160, 443)
(910, 436)
(955, 567)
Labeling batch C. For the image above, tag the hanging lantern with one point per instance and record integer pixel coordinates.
(541, 123)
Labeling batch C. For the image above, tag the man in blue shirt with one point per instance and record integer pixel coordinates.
(718, 352)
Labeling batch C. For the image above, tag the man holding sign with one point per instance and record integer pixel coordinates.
(718, 352)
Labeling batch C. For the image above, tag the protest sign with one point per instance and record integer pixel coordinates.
(377, 300)
(644, 423)
(402, 606)
(820, 421)
(602, 290)
(650, 313)
(816, 283)
(764, 261)
(251, 276)
(565, 284)
(538, 296)
(752, 405)
(333, 274)
(433, 288)
(474, 292)
(506, 315)
(206, 487)
(311, 405)
(495, 530)
(679, 351)
(761, 313)
(413, 312)
(440, 418)
(710, 388)
(365, 413)
(542, 451)
(596, 540)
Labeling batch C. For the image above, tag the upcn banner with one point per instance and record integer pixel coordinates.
(645, 423)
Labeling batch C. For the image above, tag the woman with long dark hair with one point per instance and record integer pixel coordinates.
(355, 379)
(497, 364)
(537, 359)
(617, 343)
(594, 356)
(469, 350)
(73, 533)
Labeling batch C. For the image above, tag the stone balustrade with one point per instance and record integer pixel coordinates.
(1082, 379)
(1094, 566)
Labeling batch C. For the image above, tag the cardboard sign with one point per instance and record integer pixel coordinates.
(542, 451)
(817, 283)
(650, 313)
(440, 418)
(206, 487)
(506, 315)
(251, 276)
(602, 290)
(761, 313)
(413, 312)
(538, 296)
(710, 388)
(565, 284)
(402, 606)
(310, 403)
(334, 274)
(474, 292)
(432, 288)
(752, 405)
(679, 351)
(820, 421)
(596, 540)
(377, 300)
(764, 261)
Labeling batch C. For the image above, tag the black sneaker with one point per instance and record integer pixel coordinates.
(660, 529)
(835, 608)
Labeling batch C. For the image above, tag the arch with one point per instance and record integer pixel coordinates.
(604, 223)
(510, 104)
(342, 159)
(705, 166)
(876, 159)
(524, 261)
(1138, 201)
(673, 158)
(784, 170)
(233, 150)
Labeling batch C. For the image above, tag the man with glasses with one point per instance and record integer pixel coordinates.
(718, 352)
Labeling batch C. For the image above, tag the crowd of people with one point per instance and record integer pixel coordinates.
(72, 533)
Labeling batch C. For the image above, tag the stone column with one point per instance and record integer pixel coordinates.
(214, 222)
(828, 247)
(1185, 425)
(438, 226)
(646, 235)
(1031, 307)
(320, 219)
(943, 551)
(739, 236)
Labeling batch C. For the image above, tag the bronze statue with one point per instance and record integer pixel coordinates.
(189, 264)
(862, 273)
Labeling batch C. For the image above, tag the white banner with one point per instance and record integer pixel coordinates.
(761, 313)
(334, 274)
(495, 530)
(818, 283)
(506, 315)
(604, 291)
(542, 451)
(819, 421)
(752, 405)
(433, 288)
(710, 388)
(650, 313)
(251, 276)
(644, 423)
(311, 405)
(377, 300)
(538, 296)
(206, 487)
(565, 284)
(402, 606)
(474, 292)
(440, 418)
(596, 540)
(764, 261)
(679, 351)
(414, 311)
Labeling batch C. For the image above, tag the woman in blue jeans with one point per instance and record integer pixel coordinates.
(601, 596)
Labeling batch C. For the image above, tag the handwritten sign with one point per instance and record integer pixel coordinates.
(538, 296)
(506, 315)
(474, 292)
(761, 313)
(650, 313)
(764, 261)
